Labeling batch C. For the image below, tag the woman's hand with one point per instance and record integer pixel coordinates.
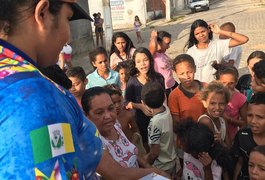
(214, 28)
(146, 110)
(205, 159)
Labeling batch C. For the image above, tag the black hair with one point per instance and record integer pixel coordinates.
(184, 58)
(113, 89)
(93, 54)
(221, 70)
(129, 44)
(153, 94)
(88, 95)
(259, 70)
(198, 23)
(256, 54)
(260, 149)
(56, 74)
(161, 35)
(124, 65)
(152, 74)
(76, 71)
(198, 138)
(258, 98)
(229, 24)
(13, 12)
(215, 87)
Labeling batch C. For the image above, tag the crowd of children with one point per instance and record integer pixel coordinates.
(208, 117)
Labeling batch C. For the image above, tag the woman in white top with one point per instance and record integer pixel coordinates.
(122, 49)
(207, 51)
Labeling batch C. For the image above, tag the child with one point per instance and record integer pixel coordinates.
(184, 101)
(234, 57)
(142, 72)
(215, 98)
(123, 69)
(125, 118)
(256, 163)
(203, 158)
(160, 129)
(207, 51)
(236, 109)
(102, 75)
(78, 77)
(248, 138)
(258, 80)
(159, 43)
(137, 24)
(244, 82)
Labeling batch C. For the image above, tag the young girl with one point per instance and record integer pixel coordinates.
(137, 24)
(184, 101)
(236, 109)
(204, 158)
(142, 72)
(123, 70)
(215, 98)
(206, 51)
(158, 45)
(256, 164)
(122, 49)
(244, 82)
(125, 118)
(102, 74)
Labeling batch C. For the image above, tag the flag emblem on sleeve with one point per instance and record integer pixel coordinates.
(51, 141)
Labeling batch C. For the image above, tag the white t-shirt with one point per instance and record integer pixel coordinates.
(235, 54)
(193, 169)
(160, 131)
(204, 58)
(67, 49)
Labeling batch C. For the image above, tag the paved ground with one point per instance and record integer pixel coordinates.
(247, 15)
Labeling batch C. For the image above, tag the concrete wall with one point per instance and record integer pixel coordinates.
(122, 11)
(81, 33)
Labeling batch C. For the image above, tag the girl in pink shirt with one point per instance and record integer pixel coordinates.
(236, 109)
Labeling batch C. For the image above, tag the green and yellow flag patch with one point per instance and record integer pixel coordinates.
(51, 141)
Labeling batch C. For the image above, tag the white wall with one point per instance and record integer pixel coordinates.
(123, 11)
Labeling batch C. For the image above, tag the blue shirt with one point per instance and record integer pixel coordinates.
(94, 79)
(44, 133)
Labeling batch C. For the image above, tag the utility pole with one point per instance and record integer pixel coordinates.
(168, 10)
(107, 23)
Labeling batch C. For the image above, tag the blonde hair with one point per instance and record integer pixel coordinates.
(215, 87)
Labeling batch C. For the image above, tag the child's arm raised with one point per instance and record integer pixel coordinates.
(236, 38)
(153, 42)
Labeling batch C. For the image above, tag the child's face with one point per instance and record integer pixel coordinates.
(142, 63)
(185, 73)
(251, 64)
(165, 44)
(256, 166)
(78, 86)
(122, 74)
(256, 118)
(120, 44)
(257, 85)
(201, 34)
(101, 63)
(228, 81)
(215, 104)
(117, 101)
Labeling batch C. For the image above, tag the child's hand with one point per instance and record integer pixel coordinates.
(154, 34)
(129, 106)
(205, 159)
(214, 28)
(217, 137)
